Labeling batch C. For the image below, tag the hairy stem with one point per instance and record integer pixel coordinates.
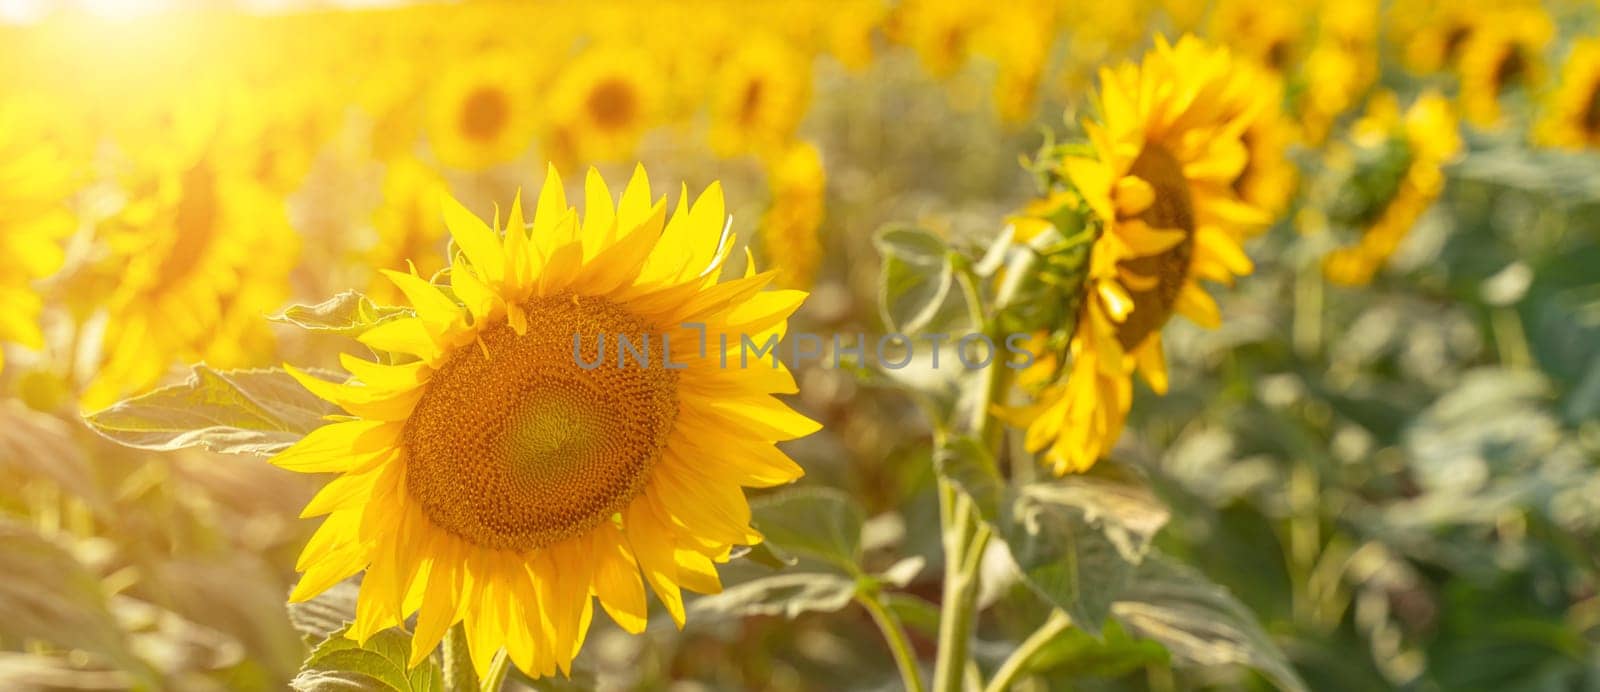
(459, 675)
(895, 635)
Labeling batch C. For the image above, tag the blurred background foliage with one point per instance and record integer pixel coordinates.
(1393, 471)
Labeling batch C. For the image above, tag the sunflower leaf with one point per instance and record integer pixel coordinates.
(820, 523)
(788, 595)
(341, 664)
(1199, 622)
(257, 412)
(347, 314)
(915, 279)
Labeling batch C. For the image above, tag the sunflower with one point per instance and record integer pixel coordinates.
(481, 111)
(1268, 179)
(1266, 33)
(760, 93)
(1435, 31)
(605, 101)
(36, 179)
(198, 256)
(1159, 187)
(1572, 112)
(940, 31)
(1501, 55)
(789, 230)
(496, 481)
(1417, 143)
(410, 227)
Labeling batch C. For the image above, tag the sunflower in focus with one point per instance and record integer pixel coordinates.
(199, 255)
(490, 477)
(605, 101)
(1159, 186)
(480, 112)
(1572, 111)
(1501, 55)
(760, 93)
(789, 230)
(409, 224)
(36, 179)
(1403, 155)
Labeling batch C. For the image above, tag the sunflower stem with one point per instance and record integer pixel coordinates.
(1017, 663)
(497, 673)
(895, 635)
(459, 675)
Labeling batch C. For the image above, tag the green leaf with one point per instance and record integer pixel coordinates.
(340, 663)
(915, 278)
(970, 467)
(1113, 654)
(916, 612)
(821, 523)
(1199, 622)
(764, 554)
(348, 314)
(257, 412)
(788, 595)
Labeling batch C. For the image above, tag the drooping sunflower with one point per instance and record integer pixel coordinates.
(1413, 146)
(198, 256)
(605, 101)
(1504, 53)
(759, 96)
(481, 111)
(789, 239)
(1167, 150)
(517, 467)
(1572, 111)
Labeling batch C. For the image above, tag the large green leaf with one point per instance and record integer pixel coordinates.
(347, 314)
(915, 278)
(232, 411)
(820, 523)
(1199, 622)
(329, 612)
(780, 594)
(339, 664)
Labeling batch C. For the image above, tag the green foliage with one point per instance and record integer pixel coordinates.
(340, 664)
(259, 412)
(347, 314)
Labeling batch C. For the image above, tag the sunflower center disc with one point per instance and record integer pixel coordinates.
(612, 104)
(523, 448)
(484, 113)
(1172, 210)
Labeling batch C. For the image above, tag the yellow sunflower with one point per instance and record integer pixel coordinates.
(495, 480)
(605, 101)
(760, 94)
(1167, 151)
(1426, 137)
(1266, 33)
(1268, 179)
(1572, 111)
(1434, 32)
(35, 181)
(198, 257)
(409, 224)
(789, 231)
(1504, 53)
(481, 111)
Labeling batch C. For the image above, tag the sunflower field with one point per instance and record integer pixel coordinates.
(928, 345)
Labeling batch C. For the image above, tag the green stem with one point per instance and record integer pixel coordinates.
(964, 544)
(459, 675)
(1017, 663)
(895, 635)
(497, 673)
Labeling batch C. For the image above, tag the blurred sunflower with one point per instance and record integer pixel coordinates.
(1266, 33)
(1340, 67)
(36, 179)
(1268, 179)
(1167, 151)
(495, 481)
(1504, 53)
(605, 101)
(760, 93)
(199, 256)
(940, 31)
(481, 111)
(789, 239)
(1406, 153)
(409, 224)
(1572, 110)
(1435, 32)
